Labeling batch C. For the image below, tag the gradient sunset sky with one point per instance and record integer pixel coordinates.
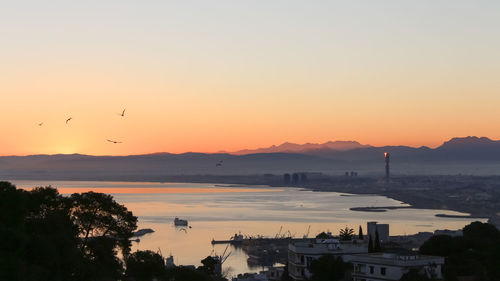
(226, 75)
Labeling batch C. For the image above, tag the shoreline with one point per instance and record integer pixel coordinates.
(451, 193)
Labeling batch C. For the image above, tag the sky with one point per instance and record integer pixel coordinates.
(208, 76)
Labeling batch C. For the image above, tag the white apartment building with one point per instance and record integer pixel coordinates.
(392, 266)
(300, 254)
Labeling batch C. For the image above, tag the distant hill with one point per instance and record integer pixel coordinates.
(468, 155)
(301, 148)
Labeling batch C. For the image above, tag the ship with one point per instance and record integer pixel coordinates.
(179, 222)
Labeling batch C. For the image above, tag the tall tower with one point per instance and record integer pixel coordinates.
(387, 174)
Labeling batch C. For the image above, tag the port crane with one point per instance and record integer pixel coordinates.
(307, 233)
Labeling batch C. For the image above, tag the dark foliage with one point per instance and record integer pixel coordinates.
(46, 236)
(328, 268)
(144, 266)
(323, 235)
(99, 215)
(475, 254)
(187, 274)
(346, 234)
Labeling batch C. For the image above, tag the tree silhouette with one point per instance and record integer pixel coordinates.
(476, 253)
(346, 234)
(323, 235)
(328, 268)
(144, 266)
(99, 215)
(39, 239)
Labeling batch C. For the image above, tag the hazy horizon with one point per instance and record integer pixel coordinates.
(229, 75)
(250, 150)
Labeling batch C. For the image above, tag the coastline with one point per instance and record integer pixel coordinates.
(452, 193)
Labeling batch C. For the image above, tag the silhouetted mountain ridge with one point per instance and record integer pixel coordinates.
(298, 148)
(468, 155)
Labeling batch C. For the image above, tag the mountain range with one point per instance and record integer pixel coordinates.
(468, 155)
(301, 148)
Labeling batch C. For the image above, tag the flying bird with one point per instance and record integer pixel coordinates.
(113, 141)
(69, 119)
(219, 164)
(40, 124)
(123, 113)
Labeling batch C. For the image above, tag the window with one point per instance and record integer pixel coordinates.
(372, 269)
(382, 270)
(308, 261)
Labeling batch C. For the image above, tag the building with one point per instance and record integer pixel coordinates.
(392, 266)
(250, 277)
(274, 273)
(300, 254)
(169, 262)
(383, 231)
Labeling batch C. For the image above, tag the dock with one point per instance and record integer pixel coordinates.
(256, 240)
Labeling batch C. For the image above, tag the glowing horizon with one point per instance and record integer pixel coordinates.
(228, 75)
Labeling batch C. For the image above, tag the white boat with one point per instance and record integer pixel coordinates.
(179, 222)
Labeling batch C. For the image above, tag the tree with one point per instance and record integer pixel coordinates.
(49, 237)
(439, 245)
(13, 235)
(187, 274)
(99, 215)
(101, 262)
(476, 253)
(346, 234)
(328, 268)
(360, 233)
(144, 266)
(323, 235)
(52, 247)
(38, 236)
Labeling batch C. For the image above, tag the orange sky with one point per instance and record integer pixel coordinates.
(230, 76)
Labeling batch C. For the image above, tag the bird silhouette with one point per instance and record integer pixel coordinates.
(113, 141)
(69, 119)
(123, 113)
(40, 124)
(219, 164)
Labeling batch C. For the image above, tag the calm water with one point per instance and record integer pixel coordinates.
(219, 211)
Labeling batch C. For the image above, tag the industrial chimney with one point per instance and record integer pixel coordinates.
(387, 175)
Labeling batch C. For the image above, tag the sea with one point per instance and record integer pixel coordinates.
(219, 211)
